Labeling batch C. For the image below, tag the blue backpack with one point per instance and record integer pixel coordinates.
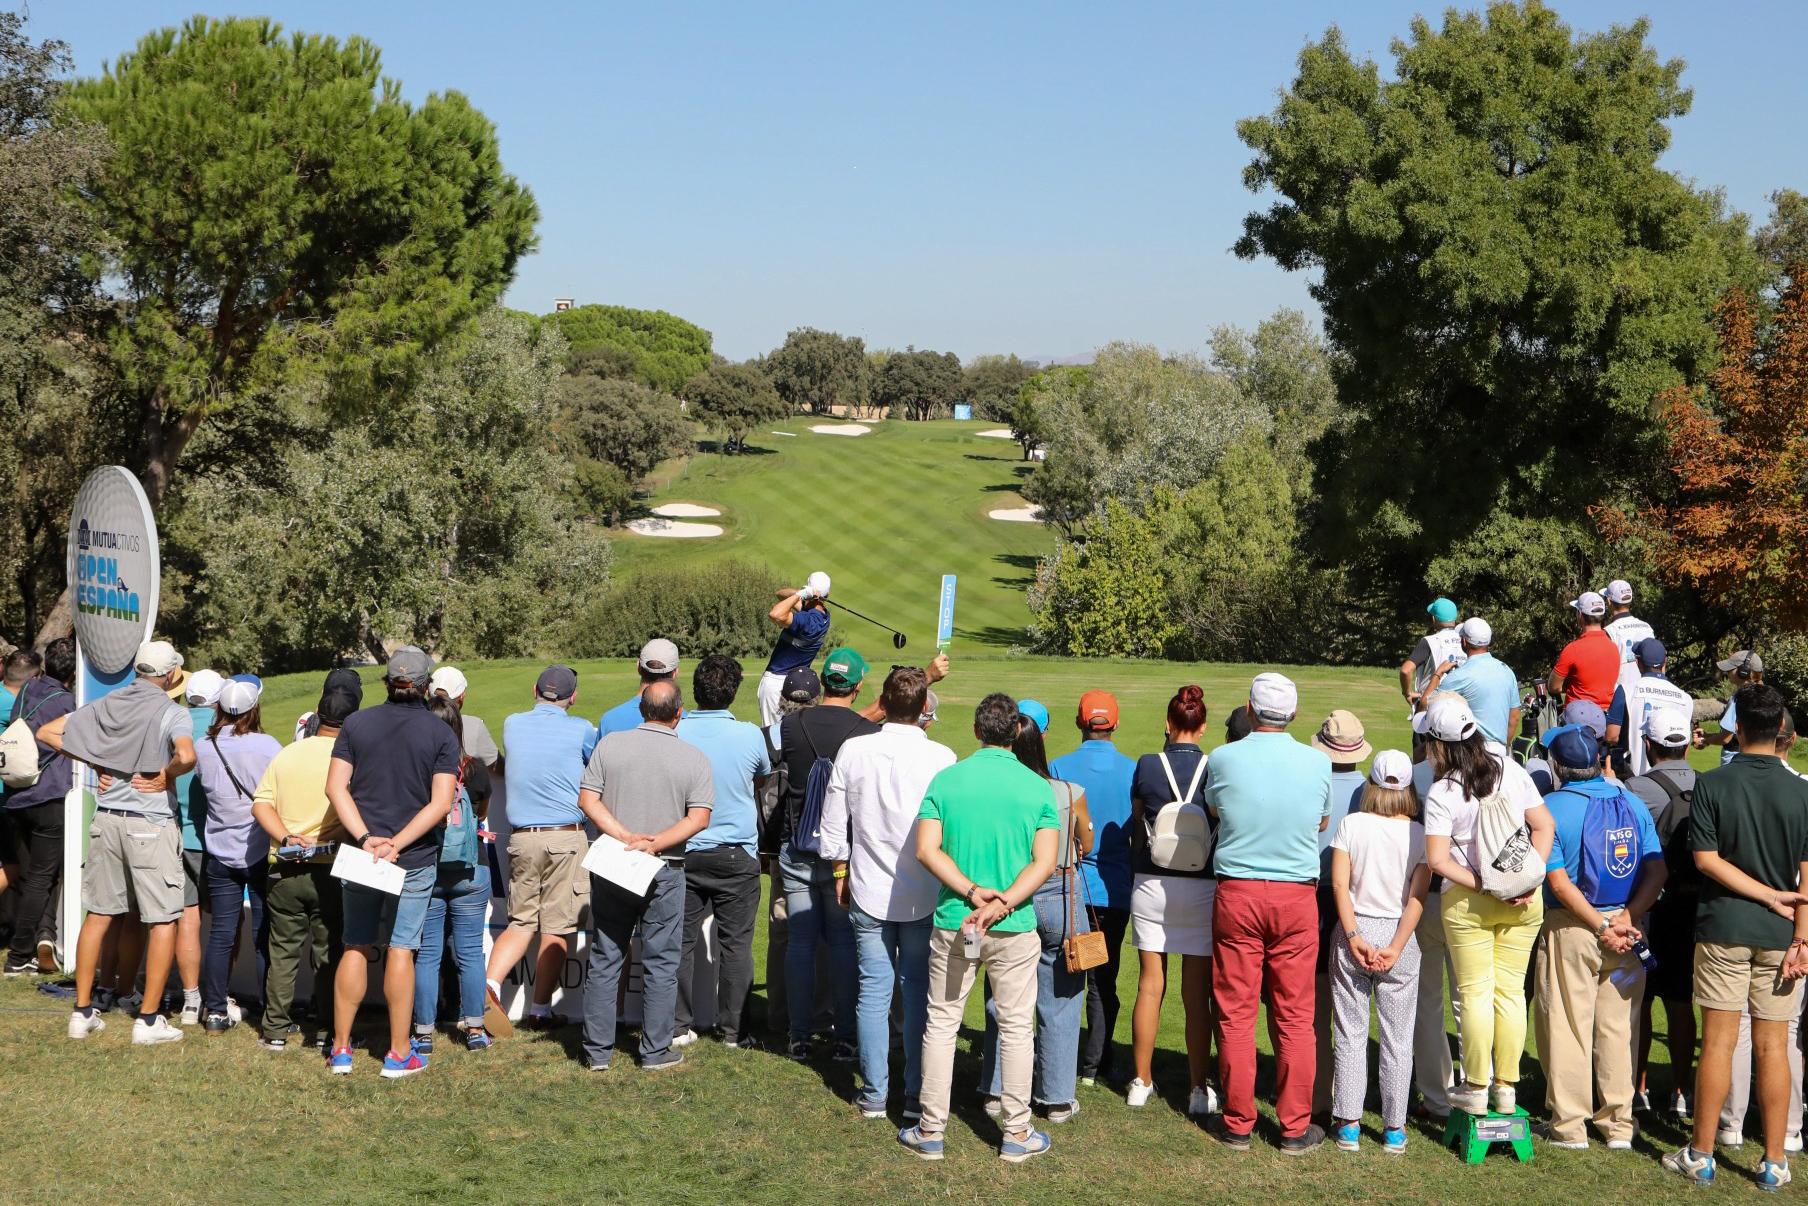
(807, 837)
(1611, 850)
(460, 847)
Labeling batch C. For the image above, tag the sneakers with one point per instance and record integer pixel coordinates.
(1299, 1145)
(1641, 1102)
(1543, 1131)
(799, 1050)
(396, 1066)
(1238, 1143)
(912, 1137)
(671, 1059)
(1393, 1140)
(1619, 1145)
(1697, 1168)
(1679, 1105)
(684, 1038)
(48, 962)
(912, 1111)
(869, 1108)
(422, 1041)
(1089, 1081)
(994, 1107)
(478, 1040)
(1503, 1099)
(1063, 1112)
(1033, 1143)
(1772, 1177)
(21, 967)
(190, 1015)
(1792, 1142)
(745, 1042)
(1138, 1093)
(845, 1052)
(1730, 1137)
(273, 1044)
(1470, 1099)
(1203, 1101)
(216, 1023)
(81, 1025)
(233, 1011)
(158, 1030)
(340, 1062)
(1349, 1136)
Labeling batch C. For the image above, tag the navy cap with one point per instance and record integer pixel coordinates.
(1650, 653)
(556, 682)
(801, 685)
(1574, 747)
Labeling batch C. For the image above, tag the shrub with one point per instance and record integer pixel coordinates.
(715, 608)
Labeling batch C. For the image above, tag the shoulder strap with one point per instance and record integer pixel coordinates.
(20, 702)
(1198, 774)
(214, 741)
(1667, 785)
(1168, 770)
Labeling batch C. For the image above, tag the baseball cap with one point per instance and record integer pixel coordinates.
(843, 669)
(337, 702)
(1574, 747)
(1341, 737)
(410, 665)
(1442, 610)
(449, 681)
(203, 688)
(1098, 711)
(1588, 714)
(930, 703)
(1744, 661)
(659, 656)
(1477, 632)
(556, 682)
(801, 685)
(1650, 652)
(344, 678)
(1273, 698)
(1392, 769)
(1667, 727)
(157, 658)
(1589, 604)
(1619, 591)
(240, 694)
(1446, 718)
(1036, 710)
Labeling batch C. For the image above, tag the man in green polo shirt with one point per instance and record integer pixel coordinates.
(987, 830)
(1748, 825)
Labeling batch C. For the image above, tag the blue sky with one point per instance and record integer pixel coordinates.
(979, 178)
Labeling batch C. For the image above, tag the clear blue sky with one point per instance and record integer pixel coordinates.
(971, 177)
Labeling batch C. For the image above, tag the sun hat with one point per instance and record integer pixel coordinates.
(844, 669)
(1392, 770)
(449, 681)
(1273, 698)
(1341, 737)
(1446, 718)
(1442, 610)
(1036, 711)
(203, 688)
(1097, 712)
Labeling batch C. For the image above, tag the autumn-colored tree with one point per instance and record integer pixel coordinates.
(1734, 525)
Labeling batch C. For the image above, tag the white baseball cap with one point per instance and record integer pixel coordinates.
(1446, 718)
(1589, 604)
(157, 658)
(818, 583)
(1619, 591)
(1476, 631)
(1274, 698)
(448, 681)
(240, 694)
(1391, 769)
(203, 688)
(1667, 727)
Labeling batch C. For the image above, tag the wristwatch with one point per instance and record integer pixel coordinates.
(359, 841)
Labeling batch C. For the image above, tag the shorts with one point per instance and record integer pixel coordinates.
(374, 918)
(134, 866)
(1172, 915)
(548, 886)
(191, 877)
(1734, 978)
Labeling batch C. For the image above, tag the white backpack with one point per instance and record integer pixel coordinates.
(19, 748)
(1180, 836)
(1510, 866)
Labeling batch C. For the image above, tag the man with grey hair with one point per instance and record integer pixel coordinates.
(650, 790)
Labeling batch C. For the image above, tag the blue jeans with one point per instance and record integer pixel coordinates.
(614, 914)
(464, 894)
(1060, 1005)
(374, 918)
(227, 889)
(890, 951)
(813, 916)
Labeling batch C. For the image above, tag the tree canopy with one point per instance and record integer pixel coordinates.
(733, 399)
(916, 384)
(649, 346)
(820, 370)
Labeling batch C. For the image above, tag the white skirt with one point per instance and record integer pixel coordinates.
(1172, 915)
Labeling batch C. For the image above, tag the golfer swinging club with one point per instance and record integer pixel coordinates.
(806, 626)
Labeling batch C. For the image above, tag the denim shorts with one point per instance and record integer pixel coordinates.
(374, 918)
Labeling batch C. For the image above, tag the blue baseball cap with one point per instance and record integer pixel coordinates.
(1650, 653)
(1442, 610)
(1036, 711)
(1588, 714)
(1574, 747)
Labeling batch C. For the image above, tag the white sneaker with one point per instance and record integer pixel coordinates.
(1679, 1104)
(1619, 1145)
(1064, 1112)
(1138, 1093)
(684, 1038)
(1203, 1101)
(1792, 1142)
(1728, 1137)
(233, 1012)
(191, 1015)
(1470, 1099)
(159, 1031)
(1503, 1099)
(81, 1026)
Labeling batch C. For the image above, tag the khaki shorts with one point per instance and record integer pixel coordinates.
(134, 866)
(1736, 977)
(548, 885)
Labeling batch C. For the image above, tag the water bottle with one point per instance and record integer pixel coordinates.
(1645, 956)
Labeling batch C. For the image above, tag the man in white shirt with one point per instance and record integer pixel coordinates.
(869, 834)
(1626, 629)
(1442, 644)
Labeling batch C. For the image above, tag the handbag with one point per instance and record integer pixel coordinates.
(1083, 952)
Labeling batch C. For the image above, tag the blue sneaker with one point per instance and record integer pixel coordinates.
(913, 1138)
(340, 1062)
(870, 1107)
(1016, 1151)
(1772, 1177)
(422, 1042)
(1685, 1162)
(1349, 1136)
(477, 1040)
(395, 1067)
(1393, 1140)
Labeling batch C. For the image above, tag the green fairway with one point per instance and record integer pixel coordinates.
(886, 514)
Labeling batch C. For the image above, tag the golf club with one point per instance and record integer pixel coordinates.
(897, 638)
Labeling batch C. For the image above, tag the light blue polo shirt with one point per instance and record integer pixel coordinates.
(619, 719)
(547, 750)
(1104, 775)
(1270, 793)
(737, 753)
(1569, 809)
(1492, 691)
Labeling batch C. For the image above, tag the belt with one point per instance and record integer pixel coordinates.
(136, 816)
(546, 828)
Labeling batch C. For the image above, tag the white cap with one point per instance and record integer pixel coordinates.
(1274, 698)
(203, 688)
(157, 658)
(1476, 632)
(1446, 718)
(448, 681)
(1619, 591)
(240, 695)
(1589, 604)
(1667, 727)
(819, 585)
(1391, 769)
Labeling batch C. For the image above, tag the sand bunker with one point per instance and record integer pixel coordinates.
(672, 529)
(685, 511)
(997, 433)
(841, 429)
(1017, 514)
